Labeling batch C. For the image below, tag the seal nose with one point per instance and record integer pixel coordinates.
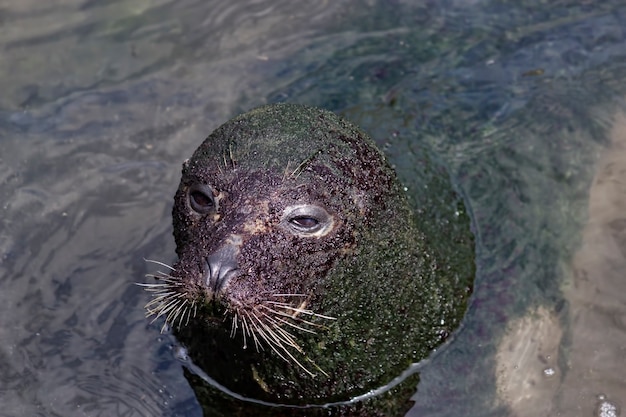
(221, 264)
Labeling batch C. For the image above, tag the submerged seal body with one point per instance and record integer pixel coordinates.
(304, 277)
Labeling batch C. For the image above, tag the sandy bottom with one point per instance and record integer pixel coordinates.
(547, 369)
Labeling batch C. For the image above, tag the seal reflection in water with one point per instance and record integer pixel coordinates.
(304, 278)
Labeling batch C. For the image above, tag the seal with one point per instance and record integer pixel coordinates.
(304, 277)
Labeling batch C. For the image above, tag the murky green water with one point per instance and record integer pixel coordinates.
(101, 103)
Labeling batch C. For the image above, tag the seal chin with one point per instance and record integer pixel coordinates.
(221, 267)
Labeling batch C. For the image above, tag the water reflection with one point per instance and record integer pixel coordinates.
(102, 102)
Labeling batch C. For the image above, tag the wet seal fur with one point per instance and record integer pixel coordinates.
(304, 277)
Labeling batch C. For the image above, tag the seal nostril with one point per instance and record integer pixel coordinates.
(221, 265)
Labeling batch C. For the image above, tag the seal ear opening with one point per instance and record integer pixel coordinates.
(307, 220)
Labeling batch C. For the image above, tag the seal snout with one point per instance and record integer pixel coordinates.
(222, 264)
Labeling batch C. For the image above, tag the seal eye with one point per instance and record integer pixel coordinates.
(304, 222)
(202, 199)
(307, 220)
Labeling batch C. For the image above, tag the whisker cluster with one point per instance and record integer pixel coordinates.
(265, 324)
(270, 323)
(167, 299)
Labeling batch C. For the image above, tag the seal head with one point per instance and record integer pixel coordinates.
(303, 277)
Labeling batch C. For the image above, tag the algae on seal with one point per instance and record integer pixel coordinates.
(304, 276)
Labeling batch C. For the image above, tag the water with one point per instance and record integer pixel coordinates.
(522, 101)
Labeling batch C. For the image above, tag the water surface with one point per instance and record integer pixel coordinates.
(521, 101)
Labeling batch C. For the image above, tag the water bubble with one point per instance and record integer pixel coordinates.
(606, 408)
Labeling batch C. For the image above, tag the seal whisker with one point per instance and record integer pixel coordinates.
(187, 311)
(152, 285)
(280, 313)
(256, 329)
(155, 306)
(162, 276)
(159, 294)
(157, 275)
(159, 263)
(270, 337)
(174, 311)
(277, 343)
(233, 327)
(257, 344)
(171, 317)
(166, 286)
(300, 310)
(281, 333)
(153, 311)
(290, 315)
(180, 307)
(158, 299)
(310, 323)
(244, 331)
(269, 342)
(264, 329)
(161, 291)
(295, 326)
(169, 309)
(173, 281)
(166, 278)
(158, 311)
(287, 337)
(166, 308)
(183, 309)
